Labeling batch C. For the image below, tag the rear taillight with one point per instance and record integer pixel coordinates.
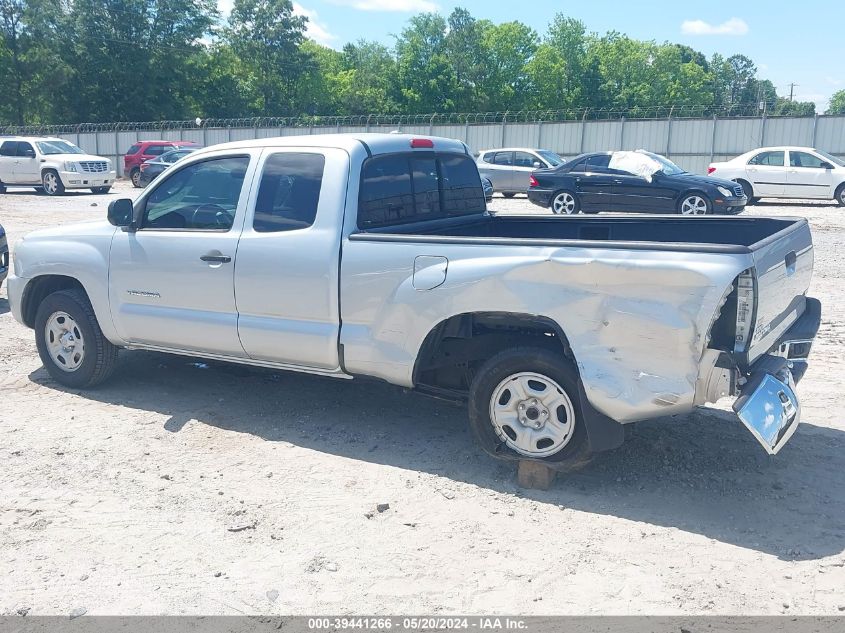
(532, 181)
(710, 170)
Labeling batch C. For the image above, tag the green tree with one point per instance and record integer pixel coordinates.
(427, 81)
(837, 103)
(268, 38)
(509, 48)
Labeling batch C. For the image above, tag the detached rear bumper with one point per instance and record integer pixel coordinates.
(767, 404)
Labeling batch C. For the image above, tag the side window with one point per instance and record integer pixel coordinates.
(580, 166)
(461, 193)
(289, 192)
(386, 193)
(9, 148)
(598, 163)
(803, 159)
(524, 159)
(156, 150)
(25, 149)
(771, 159)
(133, 150)
(201, 196)
(503, 158)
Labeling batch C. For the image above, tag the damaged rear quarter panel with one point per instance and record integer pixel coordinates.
(636, 320)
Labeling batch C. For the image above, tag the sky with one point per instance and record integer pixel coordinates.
(791, 42)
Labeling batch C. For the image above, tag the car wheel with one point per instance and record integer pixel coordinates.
(694, 204)
(524, 404)
(135, 177)
(100, 190)
(2, 188)
(70, 342)
(508, 194)
(748, 190)
(840, 195)
(51, 183)
(565, 203)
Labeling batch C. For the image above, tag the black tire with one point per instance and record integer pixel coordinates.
(689, 196)
(100, 356)
(576, 208)
(100, 190)
(508, 194)
(840, 195)
(135, 177)
(748, 190)
(575, 452)
(51, 183)
(2, 188)
(754, 201)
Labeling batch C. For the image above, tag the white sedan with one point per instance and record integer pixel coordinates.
(786, 172)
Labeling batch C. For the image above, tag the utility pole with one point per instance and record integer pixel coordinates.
(792, 89)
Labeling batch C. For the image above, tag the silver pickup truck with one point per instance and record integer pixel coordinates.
(374, 256)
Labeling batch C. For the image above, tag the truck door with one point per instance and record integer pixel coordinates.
(27, 169)
(8, 152)
(171, 282)
(286, 278)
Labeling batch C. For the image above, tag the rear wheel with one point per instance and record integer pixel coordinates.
(51, 183)
(100, 190)
(840, 195)
(70, 342)
(694, 204)
(523, 404)
(135, 177)
(565, 203)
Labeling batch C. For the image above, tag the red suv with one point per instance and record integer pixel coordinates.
(145, 150)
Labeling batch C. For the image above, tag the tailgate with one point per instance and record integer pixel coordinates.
(783, 266)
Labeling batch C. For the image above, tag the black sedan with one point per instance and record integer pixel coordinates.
(153, 167)
(638, 182)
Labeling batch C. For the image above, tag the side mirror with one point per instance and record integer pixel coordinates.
(826, 166)
(29, 153)
(121, 213)
(537, 164)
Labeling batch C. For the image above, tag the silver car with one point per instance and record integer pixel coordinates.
(510, 167)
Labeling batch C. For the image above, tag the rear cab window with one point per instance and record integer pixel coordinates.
(402, 188)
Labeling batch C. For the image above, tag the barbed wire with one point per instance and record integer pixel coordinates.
(394, 120)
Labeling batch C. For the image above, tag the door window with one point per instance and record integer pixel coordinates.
(289, 192)
(200, 196)
(803, 159)
(9, 148)
(771, 159)
(133, 149)
(157, 150)
(503, 158)
(524, 159)
(25, 149)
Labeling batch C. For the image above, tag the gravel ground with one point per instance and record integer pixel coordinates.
(189, 488)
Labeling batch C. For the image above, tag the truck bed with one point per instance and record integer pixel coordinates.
(710, 234)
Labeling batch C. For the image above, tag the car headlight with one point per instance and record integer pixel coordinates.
(725, 192)
(70, 166)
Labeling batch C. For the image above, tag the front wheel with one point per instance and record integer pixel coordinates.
(135, 177)
(565, 203)
(523, 404)
(694, 204)
(51, 183)
(840, 195)
(100, 190)
(508, 194)
(71, 344)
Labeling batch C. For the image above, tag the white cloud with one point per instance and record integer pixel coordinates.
(225, 7)
(389, 5)
(734, 26)
(314, 29)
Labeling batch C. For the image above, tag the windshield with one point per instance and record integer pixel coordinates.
(58, 147)
(669, 168)
(550, 157)
(830, 157)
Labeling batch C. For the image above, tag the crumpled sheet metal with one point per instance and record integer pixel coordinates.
(636, 320)
(635, 163)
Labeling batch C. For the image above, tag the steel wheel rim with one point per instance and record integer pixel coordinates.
(50, 183)
(532, 414)
(65, 343)
(136, 178)
(694, 205)
(564, 203)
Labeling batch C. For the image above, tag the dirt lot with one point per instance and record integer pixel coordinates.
(183, 488)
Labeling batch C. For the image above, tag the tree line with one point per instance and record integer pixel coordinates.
(69, 61)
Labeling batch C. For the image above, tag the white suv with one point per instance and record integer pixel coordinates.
(52, 164)
(786, 172)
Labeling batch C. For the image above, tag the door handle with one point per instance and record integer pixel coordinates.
(217, 258)
(617, 182)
